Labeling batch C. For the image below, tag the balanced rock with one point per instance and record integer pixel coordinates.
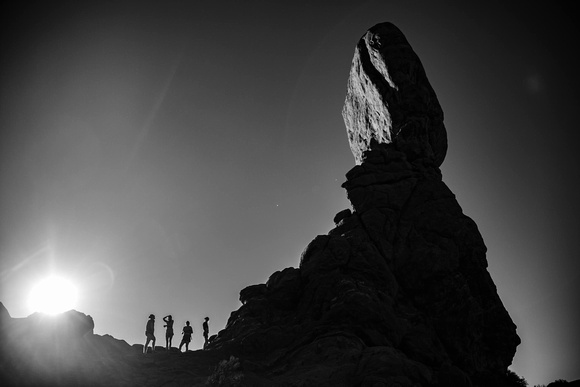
(390, 100)
(398, 293)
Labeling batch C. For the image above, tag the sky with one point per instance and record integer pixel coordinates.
(164, 155)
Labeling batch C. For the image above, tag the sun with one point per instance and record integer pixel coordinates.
(53, 295)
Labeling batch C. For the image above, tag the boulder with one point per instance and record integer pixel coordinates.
(389, 98)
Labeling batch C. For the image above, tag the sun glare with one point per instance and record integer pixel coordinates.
(52, 295)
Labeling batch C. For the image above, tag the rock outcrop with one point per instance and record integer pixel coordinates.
(398, 292)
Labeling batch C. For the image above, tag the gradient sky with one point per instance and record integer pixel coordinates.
(165, 155)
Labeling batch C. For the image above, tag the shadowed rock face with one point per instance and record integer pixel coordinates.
(398, 291)
(390, 100)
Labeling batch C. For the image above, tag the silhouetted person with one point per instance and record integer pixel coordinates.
(187, 332)
(169, 331)
(205, 331)
(150, 333)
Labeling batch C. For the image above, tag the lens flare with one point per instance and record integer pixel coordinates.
(52, 295)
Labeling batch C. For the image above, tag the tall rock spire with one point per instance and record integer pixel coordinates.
(398, 293)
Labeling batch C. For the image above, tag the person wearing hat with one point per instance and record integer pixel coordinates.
(149, 332)
(205, 331)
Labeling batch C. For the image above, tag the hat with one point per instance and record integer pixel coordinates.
(151, 316)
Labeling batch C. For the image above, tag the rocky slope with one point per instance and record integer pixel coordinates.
(62, 350)
(397, 294)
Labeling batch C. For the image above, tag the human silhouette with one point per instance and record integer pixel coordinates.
(150, 333)
(205, 331)
(187, 332)
(169, 331)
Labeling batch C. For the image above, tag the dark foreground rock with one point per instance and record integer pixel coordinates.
(397, 294)
(62, 350)
(564, 383)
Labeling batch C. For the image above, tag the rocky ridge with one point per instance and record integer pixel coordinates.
(62, 350)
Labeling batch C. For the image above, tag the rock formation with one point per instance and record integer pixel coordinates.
(389, 98)
(398, 291)
(396, 294)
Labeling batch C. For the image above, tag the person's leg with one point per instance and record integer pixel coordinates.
(146, 345)
(153, 344)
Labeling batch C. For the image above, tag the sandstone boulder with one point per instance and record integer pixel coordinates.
(389, 98)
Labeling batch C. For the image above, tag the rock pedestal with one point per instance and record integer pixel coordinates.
(398, 291)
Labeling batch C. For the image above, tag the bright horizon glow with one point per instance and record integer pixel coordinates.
(52, 295)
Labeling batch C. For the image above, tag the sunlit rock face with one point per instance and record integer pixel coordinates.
(390, 100)
(398, 293)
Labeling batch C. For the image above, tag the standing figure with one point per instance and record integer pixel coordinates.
(169, 331)
(150, 333)
(187, 332)
(205, 331)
